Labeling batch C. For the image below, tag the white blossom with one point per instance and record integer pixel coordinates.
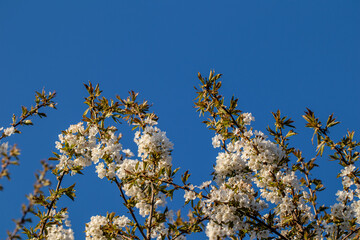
(93, 230)
(121, 221)
(189, 195)
(128, 152)
(9, 131)
(100, 170)
(216, 140)
(247, 118)
(56, 232)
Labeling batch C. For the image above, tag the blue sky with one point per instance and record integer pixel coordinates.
(285, 55)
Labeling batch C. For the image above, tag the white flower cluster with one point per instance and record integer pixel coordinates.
(216, 140)
(93, 228)
(136, 191)
(159, 231)
(58, 232)
(4, 147)
(247, 118)
(346, 180)
(154, 149)
(347, 208)
(8, 131)
(252, 159)
(223, 205)
(153, 140)
(87, 150)
(121, 221)
(191, 194)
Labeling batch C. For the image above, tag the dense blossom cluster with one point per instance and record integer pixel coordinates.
(248, 175)
(58, 232)
(153, 140)
(154, 150)
(251, 160)
(348, 206)
(257, 190)
(80, 147)
(94, 231)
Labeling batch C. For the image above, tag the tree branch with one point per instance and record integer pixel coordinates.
(151, 213)
(129, 208)
(52, 203)
(351, 233)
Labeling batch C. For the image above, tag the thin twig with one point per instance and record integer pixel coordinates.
(39, 183)
(199, 220)
(52, 202)
(342, 158)
(265, 225)
(29, 113)
(20, 223)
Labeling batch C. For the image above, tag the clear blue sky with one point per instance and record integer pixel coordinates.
(285, 55)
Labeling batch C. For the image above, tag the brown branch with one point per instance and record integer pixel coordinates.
(39, 183)
(351, 233)
(151, 212)
(129, 238)
(29, 114)
(129, 208)
(52, 203)
(20, 222)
